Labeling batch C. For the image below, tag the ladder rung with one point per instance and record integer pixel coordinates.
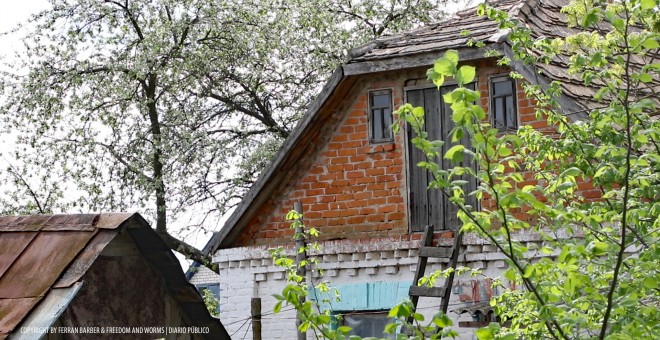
(426, 291)
(438, 252)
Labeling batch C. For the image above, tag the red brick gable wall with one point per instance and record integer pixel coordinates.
(351, 188)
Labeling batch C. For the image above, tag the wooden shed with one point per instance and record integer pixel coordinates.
(95, 276)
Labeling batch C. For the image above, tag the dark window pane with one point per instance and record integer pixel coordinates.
(510, 115)
(499, 111)
(387, 123)
(501, 88)
(381, 100)
(368, 324)
(377, 125)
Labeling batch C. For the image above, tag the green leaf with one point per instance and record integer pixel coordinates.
(448, 98)
(504, 152)
(457, 115)
(431, 74)
(571, 172)
(650, 282)
(452, 55)
(590, 18)
(278, 307)
(598, 247)
(455, 153)
(293, 215)
(648, 4)
(344, 329)
(484, 334)
(481, 10)
(466, 74)
(439, 81)
(528, 188)
(418, 112)
(442, 320)
(619, 24)
(443, 66)
(645, 78)
(394, 312)
(391, 328)
(650, 43)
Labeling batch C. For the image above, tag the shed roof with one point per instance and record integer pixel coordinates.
(420, 48)
(44, 257)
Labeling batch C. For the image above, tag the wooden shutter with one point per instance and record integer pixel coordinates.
(417, 179)
(430, 206)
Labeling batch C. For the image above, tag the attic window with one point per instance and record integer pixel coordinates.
(380, 116)
(503, 103)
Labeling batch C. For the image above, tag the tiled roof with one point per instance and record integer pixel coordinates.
(542, 17)
(47, 255)
(453, 32)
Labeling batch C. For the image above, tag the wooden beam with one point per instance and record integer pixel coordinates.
(255, 312)
(426, 291)
(411, 61)
(449, 281)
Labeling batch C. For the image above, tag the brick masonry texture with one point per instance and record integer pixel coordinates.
(354, 192)
(353, 188)
(204, 275)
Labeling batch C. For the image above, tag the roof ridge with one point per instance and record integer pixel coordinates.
(469, 12)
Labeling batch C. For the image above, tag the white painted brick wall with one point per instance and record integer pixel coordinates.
(248, 272)
(204, 275)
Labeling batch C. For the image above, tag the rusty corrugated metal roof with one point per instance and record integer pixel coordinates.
(43, 255)
(36, 250)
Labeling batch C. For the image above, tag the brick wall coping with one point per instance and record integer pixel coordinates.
(383, 244)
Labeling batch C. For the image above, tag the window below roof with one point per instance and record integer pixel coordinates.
(380, 116)
(503, 103)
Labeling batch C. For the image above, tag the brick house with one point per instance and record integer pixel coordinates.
(358, 183)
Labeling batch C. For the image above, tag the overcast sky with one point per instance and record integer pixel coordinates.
(13, 13)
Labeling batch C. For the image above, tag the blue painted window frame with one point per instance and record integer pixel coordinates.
(362, 297)
(213, 287)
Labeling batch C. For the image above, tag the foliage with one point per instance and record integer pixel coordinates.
(597, 276)
(212, 302)
(170, 107)
(320, 322)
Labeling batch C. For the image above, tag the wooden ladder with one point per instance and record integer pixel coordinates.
(449, 254)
